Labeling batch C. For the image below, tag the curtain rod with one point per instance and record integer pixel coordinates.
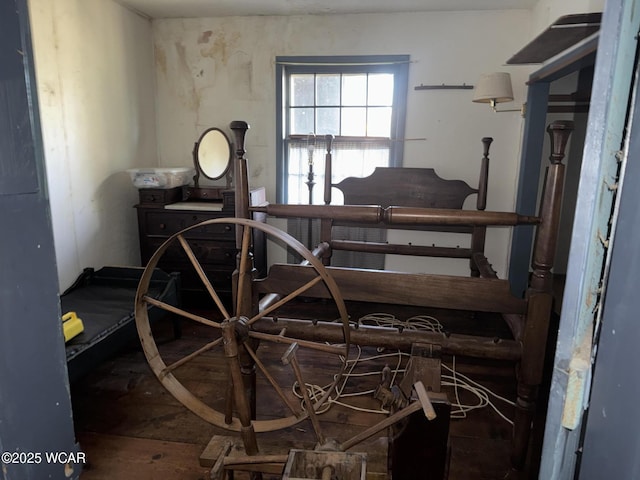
(320, 137)
(341, 64)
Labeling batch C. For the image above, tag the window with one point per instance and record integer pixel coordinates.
(359, 101)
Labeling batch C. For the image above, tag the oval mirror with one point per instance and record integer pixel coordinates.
(213, 153)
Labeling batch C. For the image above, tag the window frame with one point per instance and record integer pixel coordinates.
(286, 65)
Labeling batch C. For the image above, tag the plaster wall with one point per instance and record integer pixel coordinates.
(118, 91)
(546, 12)
(95, 80)
(211, 71)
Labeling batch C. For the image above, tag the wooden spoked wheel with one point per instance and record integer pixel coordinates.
(242, 329)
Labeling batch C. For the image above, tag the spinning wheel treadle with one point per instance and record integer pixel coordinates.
(236, 338)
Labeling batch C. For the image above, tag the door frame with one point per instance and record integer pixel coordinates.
(592, 244)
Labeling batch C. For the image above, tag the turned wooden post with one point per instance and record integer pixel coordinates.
(479, 232)
(539, 293)
(239, 129)
(244, 375)
(327, 169)
(544, 249)
(484, 174)
(326, 224)
(244, 298)
(240, 399)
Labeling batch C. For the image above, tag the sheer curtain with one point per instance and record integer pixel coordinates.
(352, 157)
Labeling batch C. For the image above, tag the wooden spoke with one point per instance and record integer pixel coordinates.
(286, 299)
(321, 347)
(271, 380)
(191, 356)
(203, 276)
(227, 409)
(179, 311)
(290, 358)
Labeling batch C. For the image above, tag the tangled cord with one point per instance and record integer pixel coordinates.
(459, 381)
(418, 322)
(316, 392)
(456, 380)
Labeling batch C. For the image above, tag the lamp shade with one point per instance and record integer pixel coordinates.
(493, 88)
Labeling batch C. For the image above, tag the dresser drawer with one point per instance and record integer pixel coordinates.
(207, 252)
(220, 277)
(160, 196)
(166, 223)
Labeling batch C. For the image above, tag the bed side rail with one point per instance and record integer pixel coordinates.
(382, 286)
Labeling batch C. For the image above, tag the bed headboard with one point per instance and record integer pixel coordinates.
(409, 187)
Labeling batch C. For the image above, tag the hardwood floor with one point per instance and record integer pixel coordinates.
(130, 427)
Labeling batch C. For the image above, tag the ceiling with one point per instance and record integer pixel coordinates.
(223, 8)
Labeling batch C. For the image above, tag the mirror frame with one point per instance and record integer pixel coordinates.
(196, 158)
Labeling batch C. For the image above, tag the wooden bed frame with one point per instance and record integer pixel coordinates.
(408, 187)
(410, 204)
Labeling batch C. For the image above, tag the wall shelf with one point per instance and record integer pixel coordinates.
(442, 86)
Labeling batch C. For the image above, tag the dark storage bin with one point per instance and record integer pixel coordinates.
(105, 302)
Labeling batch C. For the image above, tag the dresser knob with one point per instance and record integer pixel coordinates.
(227, 228)
(163, 226)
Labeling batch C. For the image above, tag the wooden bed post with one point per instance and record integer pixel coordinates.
(539, 293)
(484, 175)
(544, 250)
(326, 223)
(327, 170)
(480, 232)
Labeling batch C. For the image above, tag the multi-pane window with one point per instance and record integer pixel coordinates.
(359, 102)
(356, 104)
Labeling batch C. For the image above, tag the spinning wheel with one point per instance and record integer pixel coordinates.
(235, 335)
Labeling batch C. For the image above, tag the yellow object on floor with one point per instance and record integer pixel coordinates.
(71, 325)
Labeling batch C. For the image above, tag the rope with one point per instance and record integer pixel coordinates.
(455, 379)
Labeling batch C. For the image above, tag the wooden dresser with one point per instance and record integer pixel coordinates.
(163, 212)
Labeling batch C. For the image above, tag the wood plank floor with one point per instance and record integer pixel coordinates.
(130, 427)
